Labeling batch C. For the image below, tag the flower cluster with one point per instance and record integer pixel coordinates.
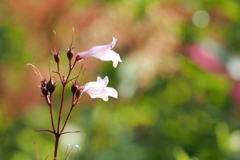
(97, 89)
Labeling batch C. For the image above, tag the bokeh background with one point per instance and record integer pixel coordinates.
(178, 84)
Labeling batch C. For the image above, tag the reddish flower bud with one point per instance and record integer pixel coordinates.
(79, 92)
(74, 88)
(44, 87)
(43, 82)
(51, 86)
(70, 53)
(57, 58)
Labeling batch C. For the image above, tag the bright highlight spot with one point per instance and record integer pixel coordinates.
(201, 19)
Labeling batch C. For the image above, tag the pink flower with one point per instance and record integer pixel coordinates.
(99, 89)
(104, 53)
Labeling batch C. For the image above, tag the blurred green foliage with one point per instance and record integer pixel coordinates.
(183, 114)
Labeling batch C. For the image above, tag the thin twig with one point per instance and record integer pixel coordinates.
(47, 130)
(37, 150)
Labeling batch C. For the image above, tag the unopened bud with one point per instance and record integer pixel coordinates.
(44, 91)
(79, 92)
(44, 87)
(51, 86)
(70, 53)
(74, 88)
(57, 58)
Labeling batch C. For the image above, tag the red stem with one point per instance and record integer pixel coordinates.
(57, 137)
(70, 69)
(69, 113)
(64, 83)
(49, 102)
(61, 106)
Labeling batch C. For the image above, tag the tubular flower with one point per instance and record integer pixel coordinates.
(99, 89)
(104, 53)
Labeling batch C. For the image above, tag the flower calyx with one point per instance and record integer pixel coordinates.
(79, 58)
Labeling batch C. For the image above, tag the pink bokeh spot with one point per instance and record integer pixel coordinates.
(205, 58)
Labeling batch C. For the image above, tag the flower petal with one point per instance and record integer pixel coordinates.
(112, 92)
(104, 53)
(111, 56)
(98, 89)
(108, 91)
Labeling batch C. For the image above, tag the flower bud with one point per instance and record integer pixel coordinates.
(57, 58)
(79, 92)
(70, 53)
(74, 88)
(51, 86)
(44, 87)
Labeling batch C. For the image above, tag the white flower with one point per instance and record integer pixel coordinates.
(99, 89)
(104, 52)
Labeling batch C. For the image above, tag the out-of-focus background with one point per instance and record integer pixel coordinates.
(178, 84)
